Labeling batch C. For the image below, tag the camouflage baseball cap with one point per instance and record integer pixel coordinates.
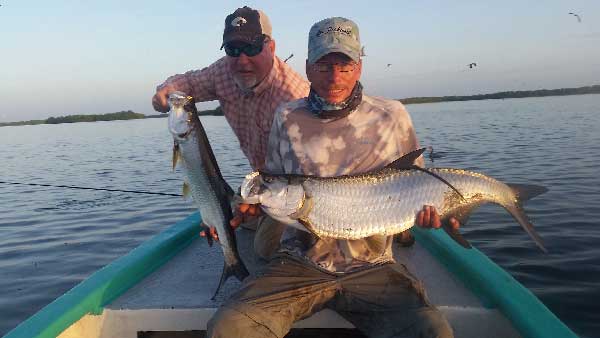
(247, 25)
(333, 35)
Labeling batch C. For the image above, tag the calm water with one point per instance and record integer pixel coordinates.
(52, 238)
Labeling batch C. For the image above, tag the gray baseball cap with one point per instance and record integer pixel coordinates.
(333, 35)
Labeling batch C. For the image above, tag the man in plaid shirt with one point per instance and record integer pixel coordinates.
(250, 82)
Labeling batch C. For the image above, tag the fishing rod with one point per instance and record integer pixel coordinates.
(89, 188)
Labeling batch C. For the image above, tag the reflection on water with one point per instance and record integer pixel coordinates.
(550, 141)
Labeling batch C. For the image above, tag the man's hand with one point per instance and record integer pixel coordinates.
(242, 214)
(160, 100)
(429, 218)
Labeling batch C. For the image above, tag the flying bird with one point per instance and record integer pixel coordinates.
(577, 16)
(289, 57)
(389, 64)
(472, 64)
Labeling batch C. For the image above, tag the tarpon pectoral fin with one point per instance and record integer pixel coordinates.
(176, 154)
(308, 227)
(407, 160)
(305, 209)
(185, 190)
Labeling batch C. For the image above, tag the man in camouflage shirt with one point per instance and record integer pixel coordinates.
(336, 130)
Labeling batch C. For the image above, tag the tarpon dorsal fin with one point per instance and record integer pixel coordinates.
(407, 161)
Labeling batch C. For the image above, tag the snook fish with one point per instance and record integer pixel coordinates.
(384, 202)
(204, 181)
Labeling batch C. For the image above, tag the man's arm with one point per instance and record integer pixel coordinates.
(201, 84)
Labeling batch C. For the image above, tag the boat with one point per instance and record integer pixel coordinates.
(164, 287)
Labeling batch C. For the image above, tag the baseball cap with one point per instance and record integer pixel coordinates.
(247, 25)
(333, 35)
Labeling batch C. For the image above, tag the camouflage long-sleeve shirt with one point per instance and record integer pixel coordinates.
(375, 134)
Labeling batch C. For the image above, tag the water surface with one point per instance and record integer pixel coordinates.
(53, 238)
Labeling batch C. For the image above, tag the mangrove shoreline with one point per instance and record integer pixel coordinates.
(130, 115)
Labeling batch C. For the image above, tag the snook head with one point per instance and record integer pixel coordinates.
(180, 124)
(280, 196)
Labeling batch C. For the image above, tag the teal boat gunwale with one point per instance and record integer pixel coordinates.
(102, 287)
(495, 287)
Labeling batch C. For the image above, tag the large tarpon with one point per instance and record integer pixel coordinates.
(384, 202)
(204, 181)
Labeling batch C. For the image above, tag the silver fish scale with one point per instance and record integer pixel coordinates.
(387, 203)
(199, 184)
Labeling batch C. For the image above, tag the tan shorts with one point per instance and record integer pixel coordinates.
(381, 301)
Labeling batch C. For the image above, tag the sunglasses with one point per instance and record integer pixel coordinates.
(248, 49)
(344, 67)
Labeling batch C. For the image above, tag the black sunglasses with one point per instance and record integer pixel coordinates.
(248, 49)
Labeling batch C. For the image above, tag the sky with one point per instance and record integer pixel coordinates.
(93, 57)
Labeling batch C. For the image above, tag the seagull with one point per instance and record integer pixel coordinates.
(389, 64)
(472, 64)
(289, 57)
(577, 16)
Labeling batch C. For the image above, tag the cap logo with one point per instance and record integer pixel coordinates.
(338, 29)
(238, 22)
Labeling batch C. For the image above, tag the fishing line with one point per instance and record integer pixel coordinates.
(88, 188)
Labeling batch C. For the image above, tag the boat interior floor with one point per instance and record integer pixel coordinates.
(176, 298)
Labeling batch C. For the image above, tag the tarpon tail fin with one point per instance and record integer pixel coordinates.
(526, 192)
(238, 270)
(517, 212)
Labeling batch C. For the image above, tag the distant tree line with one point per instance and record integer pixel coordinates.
(122, 115)
(506, 95)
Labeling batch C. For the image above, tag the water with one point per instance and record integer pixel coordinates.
(52, 238)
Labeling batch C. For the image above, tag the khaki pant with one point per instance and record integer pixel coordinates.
(267, 237)
(382, 301)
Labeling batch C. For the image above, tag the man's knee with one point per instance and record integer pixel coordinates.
(231, 323)
(432, 323)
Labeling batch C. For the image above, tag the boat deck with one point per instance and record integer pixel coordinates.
(177, 298)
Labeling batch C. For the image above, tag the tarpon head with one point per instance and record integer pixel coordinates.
(180, 120)
(281, 196)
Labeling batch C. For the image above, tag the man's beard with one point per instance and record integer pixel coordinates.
(245, 82)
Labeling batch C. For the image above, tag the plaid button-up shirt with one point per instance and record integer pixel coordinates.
(249, 113)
